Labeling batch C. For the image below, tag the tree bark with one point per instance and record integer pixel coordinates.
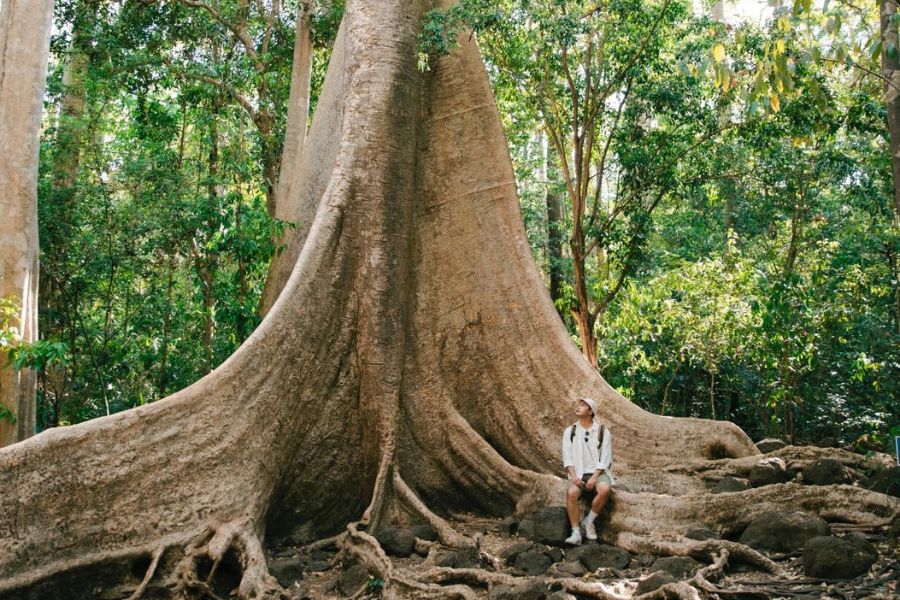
(402, 367)
(890, 67)
(555, 228)
(24, 51)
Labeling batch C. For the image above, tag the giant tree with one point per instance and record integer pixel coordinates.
(403, 370)
(24, 48)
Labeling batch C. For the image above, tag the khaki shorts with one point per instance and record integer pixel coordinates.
(603, 478)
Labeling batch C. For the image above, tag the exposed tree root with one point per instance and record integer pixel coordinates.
(697, 549)
(151, 571)
(489, 579)
(396, 584)
(239, 539)
(445, 533)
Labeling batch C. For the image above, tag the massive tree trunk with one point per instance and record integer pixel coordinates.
(404, 366)
(24, 50)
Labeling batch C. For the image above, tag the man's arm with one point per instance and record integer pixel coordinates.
(568, 463)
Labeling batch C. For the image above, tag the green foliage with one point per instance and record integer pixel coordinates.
(743, 258)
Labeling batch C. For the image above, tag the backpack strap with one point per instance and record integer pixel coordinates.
(600, 435)
(572, 433)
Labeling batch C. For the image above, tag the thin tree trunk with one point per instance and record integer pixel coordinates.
(890, 67)
(555, 228)
(24, 51)
(163, 380)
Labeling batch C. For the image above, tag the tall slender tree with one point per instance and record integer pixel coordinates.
(24, 51)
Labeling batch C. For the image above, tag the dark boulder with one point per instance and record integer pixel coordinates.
(510, 553)
(531, 589)
(770, 445)
(831, 557)
(508, 526)
(783, 531)
(653, 581)
(287, 570)
(768, 472)
(397, 541)
(886, 481)
(424, 531)
(551, 525)
(826, 471)
(464, 558)
(681, 567)
(569, 568)
(596, 556)
(701, 533)
(352, 580)
(731, 484)
(533, 563)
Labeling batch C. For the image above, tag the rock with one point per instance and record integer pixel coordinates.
(424, 531)
(770, 445)
(533, 563)
(555, 554)
(551, 525)
(526, 528)
(768, 472)
(680, 567)
(832, 557)
(653, 581)
(643, 560)
(731, 484)
(508, 526)
(320, 555)
(783, 531)
(532, 589)
(397, 541)
(560, 595)
(464, 558)
(886, 481)
(701, 533)
(569, 568)
(510, 553)
(828, 442)
(594, 556)
(893, 531)
(287, 570)
(352, 580)
(318, 566)
(826, 471)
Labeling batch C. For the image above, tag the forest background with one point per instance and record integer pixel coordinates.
(711, 201)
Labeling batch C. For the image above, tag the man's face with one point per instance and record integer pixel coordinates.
(582, 409)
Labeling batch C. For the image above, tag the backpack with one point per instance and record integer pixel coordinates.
(600, 435)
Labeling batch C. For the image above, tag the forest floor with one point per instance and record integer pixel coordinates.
(325, 574)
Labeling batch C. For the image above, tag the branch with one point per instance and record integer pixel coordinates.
(631, 62)
(228, 89)
(239, 32)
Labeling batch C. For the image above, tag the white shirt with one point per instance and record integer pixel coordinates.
(583, 455)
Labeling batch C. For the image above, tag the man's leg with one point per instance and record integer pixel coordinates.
(572, 495)
(600, 499)
(597, 504)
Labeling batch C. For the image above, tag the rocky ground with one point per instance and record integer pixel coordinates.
(527, 559)
(536, 568)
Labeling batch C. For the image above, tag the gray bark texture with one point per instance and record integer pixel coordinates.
(24, 51)
(413, 363)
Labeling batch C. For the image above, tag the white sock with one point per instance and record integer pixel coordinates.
(590, 518)
(576, 530)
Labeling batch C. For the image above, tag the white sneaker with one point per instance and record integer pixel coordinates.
(590, 532)
(574, 539)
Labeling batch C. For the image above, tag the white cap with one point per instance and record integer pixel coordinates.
(590, 402)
